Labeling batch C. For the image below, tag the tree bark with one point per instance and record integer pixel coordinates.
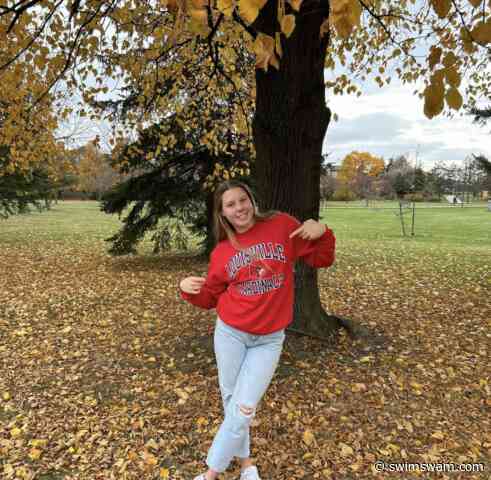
(289, 126)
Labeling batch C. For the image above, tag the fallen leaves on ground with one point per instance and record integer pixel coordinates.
(106, 373)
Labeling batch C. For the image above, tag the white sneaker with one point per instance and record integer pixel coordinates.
(250, 473)
(200, 477)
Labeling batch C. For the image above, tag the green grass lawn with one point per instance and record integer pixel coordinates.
(70, 221)
(450, 227)
(395, 204)
(442, 228)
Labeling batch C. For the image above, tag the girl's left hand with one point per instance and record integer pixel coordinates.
(310, 230)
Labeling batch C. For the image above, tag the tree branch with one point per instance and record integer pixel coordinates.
(34, 37)
(18, 9)
(378, 18)
(241, 22)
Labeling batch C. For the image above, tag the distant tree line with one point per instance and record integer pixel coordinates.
(398, 179)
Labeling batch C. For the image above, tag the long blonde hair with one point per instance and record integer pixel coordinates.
(222, 228)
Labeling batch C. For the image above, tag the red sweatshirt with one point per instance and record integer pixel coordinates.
(253, 288)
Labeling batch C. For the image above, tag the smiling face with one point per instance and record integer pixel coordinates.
(238, 209)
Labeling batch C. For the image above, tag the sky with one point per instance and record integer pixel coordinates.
(389, 122)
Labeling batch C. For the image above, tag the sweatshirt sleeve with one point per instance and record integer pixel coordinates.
(215, 284)
(316, 253)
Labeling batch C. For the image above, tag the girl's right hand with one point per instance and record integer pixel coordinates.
(192, 285)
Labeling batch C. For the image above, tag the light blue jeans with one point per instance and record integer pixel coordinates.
(246, 364)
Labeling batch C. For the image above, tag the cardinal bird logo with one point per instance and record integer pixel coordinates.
(259, 270)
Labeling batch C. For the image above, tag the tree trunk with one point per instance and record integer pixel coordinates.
(289, 126)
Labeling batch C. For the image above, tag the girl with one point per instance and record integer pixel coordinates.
(250, 282)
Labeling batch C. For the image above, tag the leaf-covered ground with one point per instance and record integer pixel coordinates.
(106, 374)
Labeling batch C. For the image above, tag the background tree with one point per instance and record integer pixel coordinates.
(482, 164)
(483, 168)
(30, 156)
(21, 192)
(419, 180)
(172, 184)
(95, 174)
(358, 171)
(398, 173)
(35, 188)
(169, 187)
(441, 179)
(27, 118)
(328, 182)
(481, 115)
(144, 43)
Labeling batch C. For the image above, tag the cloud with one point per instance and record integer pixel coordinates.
(390, 122)
(366, 127)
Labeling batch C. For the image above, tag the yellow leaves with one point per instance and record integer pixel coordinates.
(172, 5)
(249, 9)
(6, 396)
(38, 442)
(345, 16)
(35, 454)
(288, 24)
(453, 98)
(345, 450)
(164, 473)
(226, 7)
(198, 14)
(450, 60)
(435, 95)
(441, 7)
(405, 425)
(452, 76)
(390, 449)
(150, 459)
(8, 470)
(417, 387)
(295, 4)
(26, 127)
(23, 473)
(221, 173)
(308, 438)
(15, 432)
(201, 421)
(357, 163)
(199, 4)
(434, 56)
(433, 98)
(264, 47)
(344, 417)
(183, 396)
(358, 387)
(481, 33)
(152, 444)
(439, 435)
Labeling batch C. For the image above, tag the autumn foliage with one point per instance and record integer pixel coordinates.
(27, 118)
(360, 163)
(151, 53)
